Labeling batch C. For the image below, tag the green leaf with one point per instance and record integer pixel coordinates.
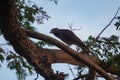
(1, 58)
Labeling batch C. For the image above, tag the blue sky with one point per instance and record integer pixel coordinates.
(89, 15)
(92, 15)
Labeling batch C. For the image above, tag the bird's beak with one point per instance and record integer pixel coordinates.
(51, 31)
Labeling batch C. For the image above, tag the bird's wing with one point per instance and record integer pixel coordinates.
(70, 38)
(70, 35)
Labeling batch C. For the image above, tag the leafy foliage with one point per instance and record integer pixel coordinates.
(28, 13)
(81, 72)
(18, 63)
(1, 55)
(117, 24)
(107, 49)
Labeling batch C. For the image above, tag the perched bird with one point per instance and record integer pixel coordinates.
(69, 38)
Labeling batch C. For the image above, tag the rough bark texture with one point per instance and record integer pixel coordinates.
(20, 42)
(63, 57)
(91, 75)
(40, 58)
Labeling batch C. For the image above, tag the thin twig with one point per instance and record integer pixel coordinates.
(105, 28)
(71, 27)
(71, 71)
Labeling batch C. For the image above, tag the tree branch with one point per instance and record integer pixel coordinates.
(12, 32)
(105, 27)
(38, 57)
(91, 74)
(69, 51)
(59, 56)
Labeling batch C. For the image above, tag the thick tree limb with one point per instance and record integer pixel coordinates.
(59, 56)
(38, 57)
(71, 52)
(12, 32)
(63, 57)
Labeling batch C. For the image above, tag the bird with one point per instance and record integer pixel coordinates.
(68, 37)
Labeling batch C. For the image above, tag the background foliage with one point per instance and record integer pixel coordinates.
(28, 13)
(106, 48)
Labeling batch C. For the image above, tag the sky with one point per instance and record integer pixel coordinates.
(90, 16)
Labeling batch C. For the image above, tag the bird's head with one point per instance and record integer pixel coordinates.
(54, 30)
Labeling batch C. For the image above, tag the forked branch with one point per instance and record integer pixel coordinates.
(105, 27)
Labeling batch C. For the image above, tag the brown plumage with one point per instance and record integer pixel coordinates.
(69, 38)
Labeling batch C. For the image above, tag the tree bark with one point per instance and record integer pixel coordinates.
(40, 58)
(12, 32)
(63, 57)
